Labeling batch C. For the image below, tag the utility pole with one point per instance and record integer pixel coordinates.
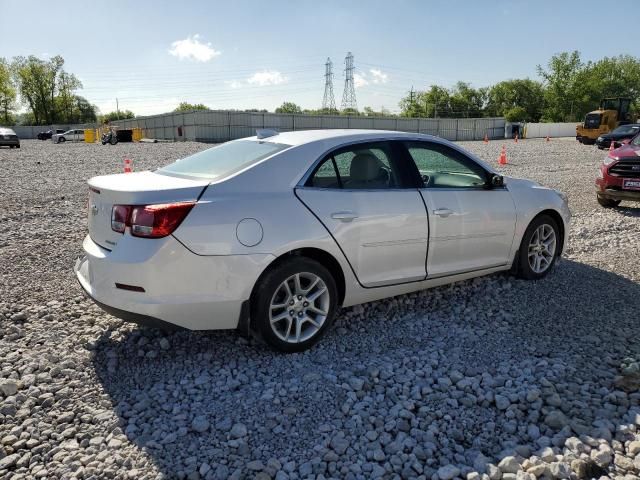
(349, 93)
(328, 101)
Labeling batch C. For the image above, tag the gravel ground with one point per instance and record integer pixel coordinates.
(490, 378)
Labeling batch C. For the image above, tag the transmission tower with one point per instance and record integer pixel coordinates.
(349, 94)
(328, 102)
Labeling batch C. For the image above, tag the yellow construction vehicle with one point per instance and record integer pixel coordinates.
(612, 113)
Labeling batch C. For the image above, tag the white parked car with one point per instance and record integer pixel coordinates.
(271, 235)
(76, 135)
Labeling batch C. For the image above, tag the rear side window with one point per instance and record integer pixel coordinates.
(369, 166)
(224, 159)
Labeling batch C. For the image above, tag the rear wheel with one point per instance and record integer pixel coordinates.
(539, 248)
(608, 202)
(294, 305)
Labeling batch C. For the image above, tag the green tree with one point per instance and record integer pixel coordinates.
(509, 94)
(289, 107)
(37, 82)
(608, 77)
(7, 94)
(370, 112)
(562, 86)
(435, 102)
(120, 115)
(187, 107)
(66, 101)
(515, 114)
(466, 101)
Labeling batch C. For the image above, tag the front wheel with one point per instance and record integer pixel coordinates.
(113, 140)
(539, 248)
(608, 202)
(62, 140)
(294, 305)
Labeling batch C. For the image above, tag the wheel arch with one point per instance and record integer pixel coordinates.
(559, 221)
(245, 323)
(321, 256)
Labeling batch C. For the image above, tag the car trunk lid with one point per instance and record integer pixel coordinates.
(140, 188)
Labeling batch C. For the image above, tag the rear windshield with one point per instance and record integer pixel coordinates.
(625, 130)
(224, 159)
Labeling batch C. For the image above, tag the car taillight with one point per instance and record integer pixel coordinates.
(149, 221)
(120, 217)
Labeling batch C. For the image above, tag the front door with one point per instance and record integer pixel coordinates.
(471, 226)
(358, 193)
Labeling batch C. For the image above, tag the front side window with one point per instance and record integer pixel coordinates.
(368, 166)
(443, 167)
(224, 159)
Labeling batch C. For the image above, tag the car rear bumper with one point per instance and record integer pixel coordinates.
(180, 288)
(9, 142)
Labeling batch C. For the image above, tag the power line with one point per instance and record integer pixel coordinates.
(349, 93)
(328, 101)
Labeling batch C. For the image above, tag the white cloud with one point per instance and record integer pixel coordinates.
(360, 80)
(233, 84)
(267, 77)
(378, 76)
(191, 48)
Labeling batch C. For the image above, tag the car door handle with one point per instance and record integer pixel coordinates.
(443, 212)
(344, 216)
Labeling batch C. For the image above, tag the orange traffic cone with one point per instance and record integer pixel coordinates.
(486, 138)
(516, 138)
(128, 165)
(547, 138)
(502, 159)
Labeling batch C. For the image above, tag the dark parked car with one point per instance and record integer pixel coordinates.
(8, 138)
(49, 133)
(623, 132)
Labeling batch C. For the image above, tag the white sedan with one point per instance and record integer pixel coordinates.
(76, 135)
(271, 234)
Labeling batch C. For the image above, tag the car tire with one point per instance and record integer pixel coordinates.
(62, 140)
(608, 202)
(294, 304)
(539, 248)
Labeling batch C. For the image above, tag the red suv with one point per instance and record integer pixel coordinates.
(619, 175)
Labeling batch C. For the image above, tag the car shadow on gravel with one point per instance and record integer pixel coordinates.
(444, 355)
(628, 211)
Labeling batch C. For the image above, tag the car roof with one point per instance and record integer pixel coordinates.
(6, 131)
(300, 137)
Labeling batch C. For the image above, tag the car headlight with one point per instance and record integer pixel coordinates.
(563, 196)
(599, 139)
(608, 160)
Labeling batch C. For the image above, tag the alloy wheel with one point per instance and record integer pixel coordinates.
(542, 248)
(299, 307)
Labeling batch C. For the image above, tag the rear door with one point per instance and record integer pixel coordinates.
(471, 226)
(361, 195)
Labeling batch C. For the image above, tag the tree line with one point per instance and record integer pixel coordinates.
(45, 88)
(567, 89)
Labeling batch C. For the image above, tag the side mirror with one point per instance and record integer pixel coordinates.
(496, 180)
(626, 141)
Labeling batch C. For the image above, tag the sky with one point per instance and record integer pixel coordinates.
(257, 54)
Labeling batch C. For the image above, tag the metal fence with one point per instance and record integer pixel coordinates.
(540, 130)
(220, 126)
